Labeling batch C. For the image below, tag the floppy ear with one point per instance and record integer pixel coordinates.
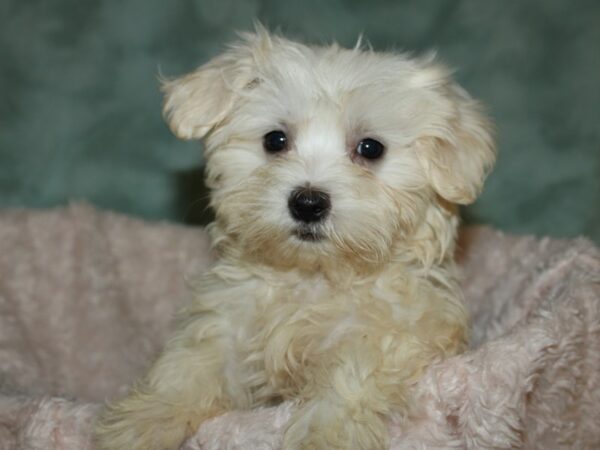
(460, 154)
(196, 103)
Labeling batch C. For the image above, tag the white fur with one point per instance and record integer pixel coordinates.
(345, 325)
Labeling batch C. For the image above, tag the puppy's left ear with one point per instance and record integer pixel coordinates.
(459, 154)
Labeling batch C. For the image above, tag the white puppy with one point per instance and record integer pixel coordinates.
(335, 175)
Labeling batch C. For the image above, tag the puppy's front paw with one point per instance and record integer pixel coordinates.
(138, 423)
(320, 425)
(119, 432)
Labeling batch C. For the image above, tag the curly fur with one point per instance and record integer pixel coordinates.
(345, 325)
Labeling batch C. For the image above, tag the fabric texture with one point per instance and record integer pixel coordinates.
(87, 298)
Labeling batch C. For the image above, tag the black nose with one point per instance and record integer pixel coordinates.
(309, 205)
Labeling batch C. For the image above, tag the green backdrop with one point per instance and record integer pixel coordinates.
(80, 108)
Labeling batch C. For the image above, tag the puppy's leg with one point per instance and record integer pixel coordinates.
(183, 388)
(354, 387)
(342, 406)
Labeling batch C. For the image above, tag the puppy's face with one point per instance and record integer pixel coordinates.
(320, 155)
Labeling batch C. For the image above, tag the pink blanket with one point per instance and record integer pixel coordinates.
(87, 297)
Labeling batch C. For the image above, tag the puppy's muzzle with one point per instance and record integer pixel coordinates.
(309, 205)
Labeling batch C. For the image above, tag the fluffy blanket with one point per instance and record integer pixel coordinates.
(87, 297)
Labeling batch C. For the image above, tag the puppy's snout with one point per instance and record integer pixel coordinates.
(309, 205)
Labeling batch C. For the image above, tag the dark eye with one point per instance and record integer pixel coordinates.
(275, 141)
(370, 148)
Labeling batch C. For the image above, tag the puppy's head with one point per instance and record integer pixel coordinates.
(317, 155)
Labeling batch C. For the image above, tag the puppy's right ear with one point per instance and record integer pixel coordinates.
(198, 102)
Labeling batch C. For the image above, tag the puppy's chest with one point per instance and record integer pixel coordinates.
(289, 303)
(308, 316)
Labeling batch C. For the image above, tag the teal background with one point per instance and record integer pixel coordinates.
(80, 109)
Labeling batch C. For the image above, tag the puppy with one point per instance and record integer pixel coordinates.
(335, 176)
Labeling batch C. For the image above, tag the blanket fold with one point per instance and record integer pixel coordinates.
(87, 298)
